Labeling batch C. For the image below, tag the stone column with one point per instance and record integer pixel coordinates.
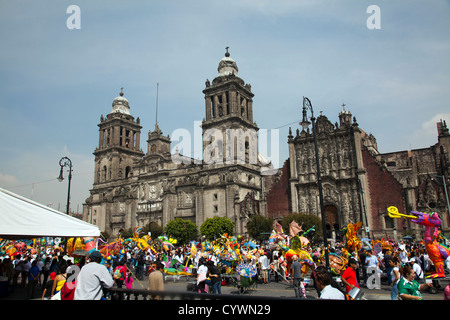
(208, 107)
(250, 110)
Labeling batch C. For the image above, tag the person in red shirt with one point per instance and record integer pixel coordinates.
(119, 273)
(349, 276)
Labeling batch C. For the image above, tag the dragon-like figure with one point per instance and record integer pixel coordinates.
(353, 243)
(436, 251)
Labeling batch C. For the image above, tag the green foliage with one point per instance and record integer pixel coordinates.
(215, 227)
(306, 220)
(295, 243)
(259, 227)
(128, 233)
(155, 229)
(182, 230)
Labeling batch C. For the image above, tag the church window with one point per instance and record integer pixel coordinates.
(227, 102)
(389, 222)
(103, 143)
(213, 107)
(127, 171)
(247, 151)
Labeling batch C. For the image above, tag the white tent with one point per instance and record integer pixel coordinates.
(22, 218)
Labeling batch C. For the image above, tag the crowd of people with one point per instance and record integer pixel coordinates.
(63, 277)
(405, 266)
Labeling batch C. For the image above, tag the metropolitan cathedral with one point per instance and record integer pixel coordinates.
(132, 188)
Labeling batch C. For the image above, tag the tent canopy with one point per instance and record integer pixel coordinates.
(22, 218)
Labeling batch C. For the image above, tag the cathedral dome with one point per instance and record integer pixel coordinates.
(120, 104)
(227, 66)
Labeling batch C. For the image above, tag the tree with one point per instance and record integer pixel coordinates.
(259, 227)
(155, 229)
(128, 233)
(306, 220)
(215, 227)
(182, 230)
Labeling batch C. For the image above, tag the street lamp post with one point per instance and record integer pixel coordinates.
(305, 124)
(66, 162)
(445, 189)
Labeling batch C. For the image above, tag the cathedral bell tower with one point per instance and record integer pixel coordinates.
(229, 133)
(119, 143)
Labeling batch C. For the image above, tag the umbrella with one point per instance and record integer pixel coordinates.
(407, 238)
(79, 253)
(249, 269)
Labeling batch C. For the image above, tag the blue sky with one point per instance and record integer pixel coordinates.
(55, 83)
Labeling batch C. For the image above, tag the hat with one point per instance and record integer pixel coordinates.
(95, 255)
(53, 275)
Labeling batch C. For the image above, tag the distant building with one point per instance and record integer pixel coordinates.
(132, 188)
(359, 183)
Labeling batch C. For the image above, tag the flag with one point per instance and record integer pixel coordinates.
(278, 227)
(294, 228)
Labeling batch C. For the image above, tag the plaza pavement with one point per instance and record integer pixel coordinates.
(273, 289)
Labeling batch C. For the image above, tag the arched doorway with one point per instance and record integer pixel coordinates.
(332, 221)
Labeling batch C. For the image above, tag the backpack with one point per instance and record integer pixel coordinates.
(117, 274)
(66, 292)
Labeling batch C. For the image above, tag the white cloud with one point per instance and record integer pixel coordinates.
(35, 174)
(7, 179)
(426, 136)
(56, 83)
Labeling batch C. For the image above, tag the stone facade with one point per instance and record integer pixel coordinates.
(359, 183)
(133, 189)
(422, 174)
(277, 192)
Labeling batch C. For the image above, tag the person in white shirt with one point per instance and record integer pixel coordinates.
(426, 262)
(92, 278)
(201, 276)
(403, 255)
(264, 262)
(323, 280)
(395, 276)
(418, 270)
(371, 260)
